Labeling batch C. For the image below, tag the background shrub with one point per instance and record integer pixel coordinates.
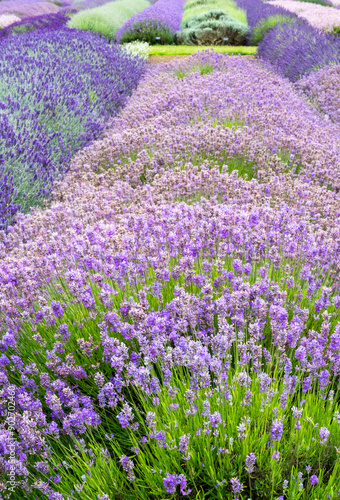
(196, 7)
(160, 19)
(265, 25)
(108, 18)
(325, 3)
(151, 31)
(211, 29)
(141, 49)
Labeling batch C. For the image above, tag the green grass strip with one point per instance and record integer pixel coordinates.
(182, 50)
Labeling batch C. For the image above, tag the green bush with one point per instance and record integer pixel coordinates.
(109, 18)
(212, 28)
(264, 26)
(194, 8)
(319, 2)
(147, 31)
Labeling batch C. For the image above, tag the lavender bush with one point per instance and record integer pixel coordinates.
(287, 46)
(56, 94)
(257, 10)
(322, 88)
(48, 22)
(261, 17)
(171, 322)
(158, 23)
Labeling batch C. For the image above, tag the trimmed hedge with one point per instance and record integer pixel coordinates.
(213, 28)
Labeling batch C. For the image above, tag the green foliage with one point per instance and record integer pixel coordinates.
(265, 25)
(336, 30)
(149, 30)
(204, 69)
(319, 2)
(193, 8)
(107, 19)
(212, 28)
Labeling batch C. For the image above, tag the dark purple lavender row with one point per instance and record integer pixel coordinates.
(294, 48)
(49, 22)
(59, 86)
(164, 15)
(297, 49)
(257, 11)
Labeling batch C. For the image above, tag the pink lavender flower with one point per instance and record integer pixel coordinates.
(324, 433)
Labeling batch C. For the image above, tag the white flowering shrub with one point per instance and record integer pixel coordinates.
(138, 48)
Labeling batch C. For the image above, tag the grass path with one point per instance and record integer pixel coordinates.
(181, 50)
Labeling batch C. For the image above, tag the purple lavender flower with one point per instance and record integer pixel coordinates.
(313, 480)
(172, 480)
(236, 485)
(215, 419)
(250, 462)
(184, 443)
(276, 430)
(128, 466)
(125, 416)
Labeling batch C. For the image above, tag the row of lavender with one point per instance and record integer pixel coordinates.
(322, 17)
(171, 323)
(297, 50)
(58, 88)
(31, 8)
(161, 20)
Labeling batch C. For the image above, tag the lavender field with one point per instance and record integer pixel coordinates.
(170, 254)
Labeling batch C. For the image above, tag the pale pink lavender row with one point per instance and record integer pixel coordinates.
(319, 16)
(322, 88)
(28, 8)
